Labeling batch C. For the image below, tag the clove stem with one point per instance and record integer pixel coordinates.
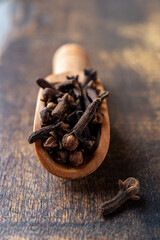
(43, 83)
(42, 132)
(127, 189)
(88, 115)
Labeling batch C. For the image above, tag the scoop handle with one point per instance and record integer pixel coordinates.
(70, 57)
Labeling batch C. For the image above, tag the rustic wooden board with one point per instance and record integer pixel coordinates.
(122, 38)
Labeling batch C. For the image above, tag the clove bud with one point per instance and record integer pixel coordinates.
(70, 142)
(76, 158)
(49, 95)
(62, 107)
(89, 74)
(51, 105)
(43, 83)
(61, 156)
(45, 115)
(127, 189)
(50, 143)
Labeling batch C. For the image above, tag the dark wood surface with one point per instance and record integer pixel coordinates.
(122, 39)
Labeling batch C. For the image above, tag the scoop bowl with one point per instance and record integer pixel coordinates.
(71, 59)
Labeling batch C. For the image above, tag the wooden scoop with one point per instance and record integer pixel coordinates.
(71, 59)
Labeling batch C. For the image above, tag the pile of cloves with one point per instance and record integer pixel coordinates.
(71, 118)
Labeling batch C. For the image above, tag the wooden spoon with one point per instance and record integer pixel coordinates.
(71, 59)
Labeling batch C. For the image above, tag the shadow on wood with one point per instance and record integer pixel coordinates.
(130, 204)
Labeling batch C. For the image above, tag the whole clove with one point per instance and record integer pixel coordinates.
(43, 83)
(70, 142)
(89, 74)
(88, 115)
(91, 90)
(127, 189)
(71, 118)
(45, 115)
(71, 86)
(62, 107)
(61, 156)
(50, 143)
(76, 158)
(66, 84)
(51, 105)
(42, 132)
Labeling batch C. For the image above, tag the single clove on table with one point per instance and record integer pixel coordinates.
(71, 118)
(127, 190)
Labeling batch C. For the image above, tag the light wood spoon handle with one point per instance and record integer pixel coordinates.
(70, 57)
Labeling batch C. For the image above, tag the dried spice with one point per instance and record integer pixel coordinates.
(45, 115)
(127, 189)
(43, 83)
(71, 118)
(51, 105)
(61, 156)
(64, 103)
(50, 143)
(76, 158)
(91, 90)
(42, 132)
(89, 74)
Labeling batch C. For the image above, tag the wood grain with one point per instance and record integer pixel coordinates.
(122, 39)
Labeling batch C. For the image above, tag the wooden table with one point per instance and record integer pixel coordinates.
(122, 38)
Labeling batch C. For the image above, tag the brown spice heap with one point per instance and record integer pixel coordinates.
(71, 118)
